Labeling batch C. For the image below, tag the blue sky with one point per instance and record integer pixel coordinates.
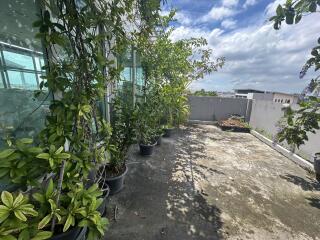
(257, 56)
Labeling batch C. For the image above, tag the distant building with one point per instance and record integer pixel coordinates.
(226, 94)
(277, 97)
(246, 93)
(285, 97)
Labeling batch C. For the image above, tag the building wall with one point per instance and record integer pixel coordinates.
(262, 96)
(265, 116)
(218, 108)
(284, 98)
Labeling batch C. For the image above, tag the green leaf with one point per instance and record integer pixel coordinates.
(63, 156)
(45, 156)
(18, 200)
(60, 149)
(20, 215)
(39, 197)
(34, 150)
(26, 140)
(4, 172)
(44, 221)
(68, 223)
(21, 163)
(6, 153)
(279, 11)
(86, 108)
(24, 235)
(28, 210)
(7, 198)
(8, 237)
(83, 223)
(4, 212)
(42, 235)
(49, 188)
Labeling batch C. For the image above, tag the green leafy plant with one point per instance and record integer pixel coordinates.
(80, 39)
(123, 120)
(18, 162)
(306, 119)
(16, 218)
(171, 67)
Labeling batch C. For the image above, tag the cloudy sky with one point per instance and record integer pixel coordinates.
(257, 56)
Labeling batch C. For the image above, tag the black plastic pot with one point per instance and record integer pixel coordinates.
(316, 165)
(102, 208)
(72, 233)
(168, 132)
(116, 183)
(146, 150)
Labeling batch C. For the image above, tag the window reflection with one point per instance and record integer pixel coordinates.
(21, 60)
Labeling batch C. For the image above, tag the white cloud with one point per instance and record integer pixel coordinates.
(259, 56)
(230, 3)
(229, 24)
(249, 3)
(184, 32)
(183, 18)
(219, 13)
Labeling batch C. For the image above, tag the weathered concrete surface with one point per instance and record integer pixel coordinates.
(209, 184)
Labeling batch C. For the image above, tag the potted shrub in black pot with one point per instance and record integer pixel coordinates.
(123, 120)
(147, 133)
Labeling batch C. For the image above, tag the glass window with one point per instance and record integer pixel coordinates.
(18, 60)
(21, 59)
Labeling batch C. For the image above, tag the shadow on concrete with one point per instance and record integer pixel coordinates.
(159, 201)
(314, 202)
(190, 215)
(306, 184)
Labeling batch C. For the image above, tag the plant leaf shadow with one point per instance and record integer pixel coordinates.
(306, 184)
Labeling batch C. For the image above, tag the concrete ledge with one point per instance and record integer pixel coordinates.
(202, 122)
(290, 155)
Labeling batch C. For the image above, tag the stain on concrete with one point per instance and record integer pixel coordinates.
(208, 184)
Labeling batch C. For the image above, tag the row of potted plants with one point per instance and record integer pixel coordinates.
(58, 183)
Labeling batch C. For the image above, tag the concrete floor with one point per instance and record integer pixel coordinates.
(207, 184)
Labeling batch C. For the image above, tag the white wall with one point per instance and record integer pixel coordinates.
(265, 116)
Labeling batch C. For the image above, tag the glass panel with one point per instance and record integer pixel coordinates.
(125, 75)
(18, 45)
(15, 79)
(30, 81)
(39, 64)
(16, 60)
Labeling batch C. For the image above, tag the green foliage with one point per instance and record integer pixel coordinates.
(203, 93)
(80, 39)
(16, 218)
(18, 162)
(307, 118)
(170, 68)
(123, 120)
(300, 122)
(148, 117)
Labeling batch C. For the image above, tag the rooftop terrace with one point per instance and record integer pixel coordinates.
(208, 184)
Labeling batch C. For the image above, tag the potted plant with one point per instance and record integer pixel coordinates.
(147, 126)
(123, 121)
